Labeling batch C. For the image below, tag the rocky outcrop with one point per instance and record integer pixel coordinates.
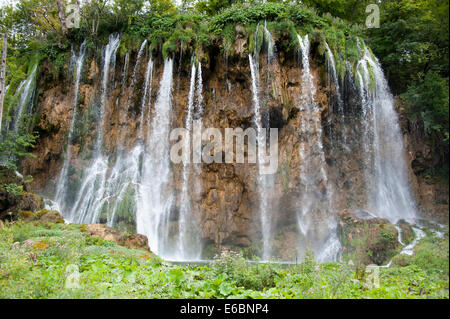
(13, 195)
(366, 239)
(43, 215)
(126, 239)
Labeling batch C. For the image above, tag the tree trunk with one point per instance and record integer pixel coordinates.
(62, 17)
(3, 78)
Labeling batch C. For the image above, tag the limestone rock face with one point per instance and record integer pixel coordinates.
(122, 238)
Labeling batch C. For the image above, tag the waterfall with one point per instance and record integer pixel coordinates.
(185, 203)
(331, 66)
(387, 188)
(197, 116)
(147, 93)
(121, 185)
(188, 238)
(90, 200)
(154, 198)
(270, 44)
(266, 227)
(125, 69)
(25, 91)
(199, 92)
(334, 76)
(77, 61)
(138, 63)
(136, 181)
(265, 181)
(316, 225)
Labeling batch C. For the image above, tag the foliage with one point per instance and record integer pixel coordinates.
(412, 45)
(427, 100)
(15, 146)
(14, 189)
(34, 259)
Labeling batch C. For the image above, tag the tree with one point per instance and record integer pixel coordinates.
(350, 10)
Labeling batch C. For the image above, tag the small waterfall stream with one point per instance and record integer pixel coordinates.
(339, 112)
(265, 181)
(314, 217)
(138, 63)
(25, 91)
(145, 105)
(264, 213)
(188, 233)
(77, 61)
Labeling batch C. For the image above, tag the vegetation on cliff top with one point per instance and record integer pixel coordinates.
(411, 43)
(37, 257)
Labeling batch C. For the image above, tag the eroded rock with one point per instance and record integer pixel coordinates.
(126, 239)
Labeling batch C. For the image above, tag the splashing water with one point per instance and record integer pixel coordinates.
(155, 199)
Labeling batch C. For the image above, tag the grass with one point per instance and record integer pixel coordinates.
(36, 259)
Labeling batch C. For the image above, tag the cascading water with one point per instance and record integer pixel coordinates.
(22, 112)
(147, 94)
(270, 44)
(123, 181)
(316, 225)
(265, 181)
(90, 199)
(136, 181)
(155, 199)
(77, 61)
(25, 90)
(331, 66)
(138, 63)
(388, 191)
(188, 238)
(265, 224)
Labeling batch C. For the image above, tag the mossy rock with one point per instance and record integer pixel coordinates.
(369, 241)
(401, 260)
(26, 214)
